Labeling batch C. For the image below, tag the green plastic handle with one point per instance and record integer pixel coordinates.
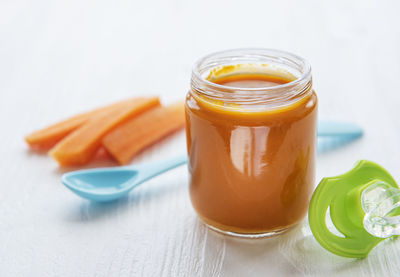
(342, 195)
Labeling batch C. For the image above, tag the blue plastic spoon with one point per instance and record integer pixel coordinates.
(336, 128)
(110, 183)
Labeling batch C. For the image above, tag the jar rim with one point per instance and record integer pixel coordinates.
(306, 72)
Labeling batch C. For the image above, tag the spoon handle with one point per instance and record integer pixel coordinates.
(337, 128)
(149, 170)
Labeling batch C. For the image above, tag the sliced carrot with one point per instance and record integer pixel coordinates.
(48, 137)
(130, 138)
(81, 145)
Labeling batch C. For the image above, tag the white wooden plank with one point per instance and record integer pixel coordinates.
(61, 57)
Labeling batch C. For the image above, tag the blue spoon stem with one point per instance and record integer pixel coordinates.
(150, 170)
(328, 128)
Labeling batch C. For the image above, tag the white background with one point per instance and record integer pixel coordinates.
(58, 58)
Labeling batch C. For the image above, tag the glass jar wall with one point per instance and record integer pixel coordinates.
(251, 138)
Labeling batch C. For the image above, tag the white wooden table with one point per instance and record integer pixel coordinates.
(61, 57)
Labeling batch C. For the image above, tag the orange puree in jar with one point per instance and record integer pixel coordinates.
(252, 160)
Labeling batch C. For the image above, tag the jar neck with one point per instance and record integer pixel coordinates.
(253, 61)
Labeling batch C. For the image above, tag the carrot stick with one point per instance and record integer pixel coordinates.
(81, 145)
(130, 138)
(49, 136)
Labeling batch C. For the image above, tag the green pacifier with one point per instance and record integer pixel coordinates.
(363, 205)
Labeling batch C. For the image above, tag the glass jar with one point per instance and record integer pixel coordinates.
(251, 137)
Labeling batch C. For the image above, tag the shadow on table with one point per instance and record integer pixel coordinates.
(301, 249)
(245, 257)
(293, 252)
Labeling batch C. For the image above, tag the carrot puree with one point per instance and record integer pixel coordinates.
(251, 171)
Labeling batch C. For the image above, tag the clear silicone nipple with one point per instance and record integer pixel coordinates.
(379, 202)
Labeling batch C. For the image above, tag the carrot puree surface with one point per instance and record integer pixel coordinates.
(251, 172)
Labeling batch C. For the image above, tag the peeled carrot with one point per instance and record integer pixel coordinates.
(130, 138)
(48, 137)
(81, 145)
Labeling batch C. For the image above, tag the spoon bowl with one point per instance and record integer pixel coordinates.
(110, 183)
(103, 184)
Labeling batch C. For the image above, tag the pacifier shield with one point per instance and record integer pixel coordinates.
(342, 195)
